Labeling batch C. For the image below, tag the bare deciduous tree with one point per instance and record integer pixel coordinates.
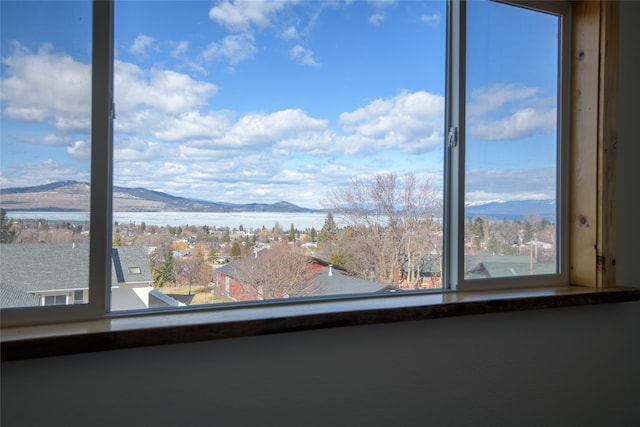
(193, 271)
(392, 218)
(280, 272)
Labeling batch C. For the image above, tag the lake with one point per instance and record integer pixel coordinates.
(249, 220)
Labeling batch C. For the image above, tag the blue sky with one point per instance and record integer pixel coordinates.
(261, 101)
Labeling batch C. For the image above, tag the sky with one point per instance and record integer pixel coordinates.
(260, 101)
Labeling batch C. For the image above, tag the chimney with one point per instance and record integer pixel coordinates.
(330, 270)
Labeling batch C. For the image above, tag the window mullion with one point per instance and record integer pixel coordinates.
(101, 157)
(454, 157)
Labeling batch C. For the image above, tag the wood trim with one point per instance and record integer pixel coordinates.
(594, 86)
(607, 142)
(583, 144)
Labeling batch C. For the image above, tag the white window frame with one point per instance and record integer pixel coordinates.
(103, 113)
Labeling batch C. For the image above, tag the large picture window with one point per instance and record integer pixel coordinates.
(245, 152)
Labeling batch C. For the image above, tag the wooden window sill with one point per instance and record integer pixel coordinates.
(160, 328)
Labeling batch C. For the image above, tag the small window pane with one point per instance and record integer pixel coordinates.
(78, 297)
(512, 141)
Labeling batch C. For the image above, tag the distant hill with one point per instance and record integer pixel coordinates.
(518, 208)
(74, 196)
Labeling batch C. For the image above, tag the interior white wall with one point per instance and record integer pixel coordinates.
(562, 367)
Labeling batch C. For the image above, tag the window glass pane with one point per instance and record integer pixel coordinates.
(268, 150)
(45, 107)
(78, 297)
(55, 300)
(511, 141)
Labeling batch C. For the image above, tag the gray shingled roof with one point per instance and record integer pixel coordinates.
(29, 268)
(124, 259)
(488, 265)
(44, 266)
(502, 269)
(341, 283)
(12, 297)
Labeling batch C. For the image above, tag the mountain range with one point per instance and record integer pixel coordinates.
(517, 208)
(74, 196)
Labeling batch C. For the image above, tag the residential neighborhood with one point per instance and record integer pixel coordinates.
(46, 263)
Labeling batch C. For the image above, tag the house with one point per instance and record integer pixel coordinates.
(26, 272)
(333, 280)
(324, 279)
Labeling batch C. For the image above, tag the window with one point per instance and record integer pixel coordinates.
(135, 270)
(510, 145)
(78, 297)
(60, 299)
(304, 102)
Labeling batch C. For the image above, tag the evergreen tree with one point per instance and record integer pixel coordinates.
(235, 251)
(477, 230)
(329, 230)
(163, 273)
(7, 232)
(291, 235)
(338, 259)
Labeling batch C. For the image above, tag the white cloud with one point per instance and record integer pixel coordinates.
(411, 122)
(80, 150)
(135, 149)
(141, 44)
(167, 91)
(283, 152)
(241, 15)
(194, 125)
(377, 19)
(492, 98)
(503, 112)
(53, 140)
(179, 48)
(234, 49)
(430, 19)
(60, 96)
(521, 124)
(259, 129)
(483, 186)
(303, 55)
(290, 33)
(33, 173)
